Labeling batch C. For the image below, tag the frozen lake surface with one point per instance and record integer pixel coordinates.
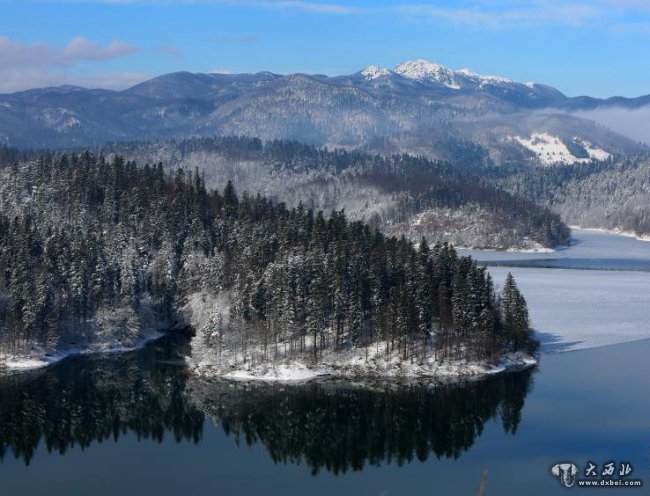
(593, 293)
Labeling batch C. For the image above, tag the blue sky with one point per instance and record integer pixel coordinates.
(597, 47)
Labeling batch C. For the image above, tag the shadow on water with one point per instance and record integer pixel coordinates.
(332, 425)
(552, 343)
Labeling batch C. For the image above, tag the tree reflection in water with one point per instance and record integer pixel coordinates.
(339, 427)
(87, 399)
(332, 425)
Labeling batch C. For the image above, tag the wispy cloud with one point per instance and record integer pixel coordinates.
(282, 5)
(513, 15)
(320, 8)
(81, 48)
(631, 16)
(39, 64)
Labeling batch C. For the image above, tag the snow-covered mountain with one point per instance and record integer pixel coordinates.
(424, 71)
(418, 106)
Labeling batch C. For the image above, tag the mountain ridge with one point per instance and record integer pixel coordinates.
(412, 103)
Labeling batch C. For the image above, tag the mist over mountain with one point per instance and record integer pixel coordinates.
(418, 107)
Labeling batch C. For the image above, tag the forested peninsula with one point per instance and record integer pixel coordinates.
(98, 255)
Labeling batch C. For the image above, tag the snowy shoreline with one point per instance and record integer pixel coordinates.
(298, 371)
(208, 316)
(617, 232)
(540, 249)
(45, 358)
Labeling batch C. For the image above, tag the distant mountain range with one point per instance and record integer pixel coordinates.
(418, 107)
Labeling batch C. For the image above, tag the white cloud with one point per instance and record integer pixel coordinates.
(81, 48)
(38, 64)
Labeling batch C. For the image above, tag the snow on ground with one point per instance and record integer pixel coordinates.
(535, 248)
(576, 309)
(618, 232)
(209, 317)
(366, 362)
(108, 331)
(551, 149)
(593, 151)
(40, 357)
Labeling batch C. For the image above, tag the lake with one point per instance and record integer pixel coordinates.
(136, 422)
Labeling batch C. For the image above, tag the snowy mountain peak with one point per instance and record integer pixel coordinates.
(422, 70)
(374, 72)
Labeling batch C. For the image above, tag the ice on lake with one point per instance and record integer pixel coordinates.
(574, 309)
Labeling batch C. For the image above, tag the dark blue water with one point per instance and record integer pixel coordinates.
(137, 424)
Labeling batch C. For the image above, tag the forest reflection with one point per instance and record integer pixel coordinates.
(336, 426)
(331, 425)
(94, 398)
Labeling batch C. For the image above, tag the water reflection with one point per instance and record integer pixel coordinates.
(339, 427)
(90, 399)
(329, 425)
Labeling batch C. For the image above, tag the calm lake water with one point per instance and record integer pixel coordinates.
(136, 423)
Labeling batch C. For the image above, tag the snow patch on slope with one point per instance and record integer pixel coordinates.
(593, 151)
(550, 149)
(483, 79)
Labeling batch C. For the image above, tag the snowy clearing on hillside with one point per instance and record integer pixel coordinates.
(577, 309)
(551, 149)
(594, 152)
